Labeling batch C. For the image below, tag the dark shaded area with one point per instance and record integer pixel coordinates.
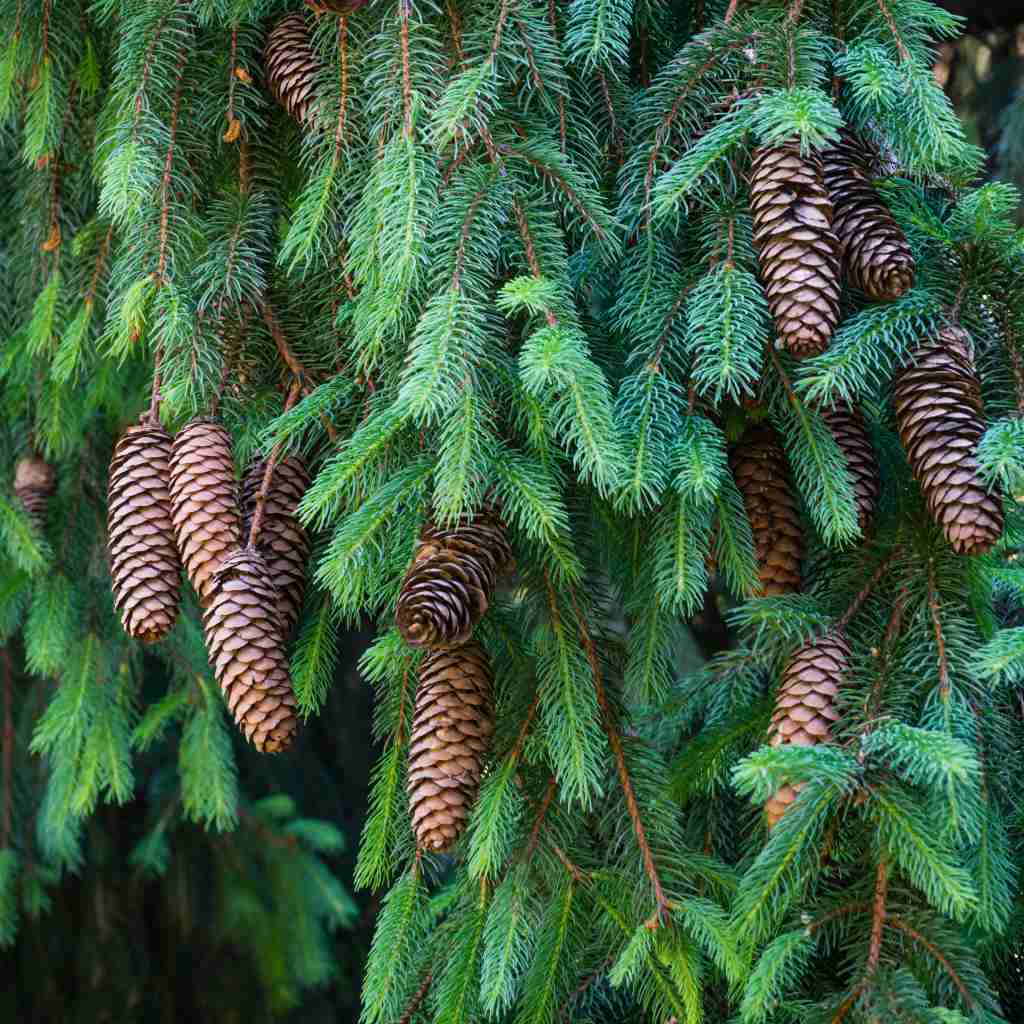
(116, 945)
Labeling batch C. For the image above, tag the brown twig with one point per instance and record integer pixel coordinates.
(283, 348)
(940, 639)
(878, 916)
(865, 591)
(531, 253)
(553, 22)
(538, 821)
(98, 266)
(848, 1004)
(268, 473)
(890, 21)
(891, 631)
(730, 11)
(930, 947)
(154, 398)
(405, 8)
(662, 908)
(165, 183)
(418, 997)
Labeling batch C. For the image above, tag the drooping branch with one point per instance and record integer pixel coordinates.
(878, 916)
(618, 752)
(940, 639)
(6, 811)
(268, 474)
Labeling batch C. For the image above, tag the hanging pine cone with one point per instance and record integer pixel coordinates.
(144, 561)
(451, 732)
(847, 426)
(283, 541)
(449, 585)
(246, 649)
(761, 472)
(292, 67)
(35, 480)
(874, 250)
(941, 420)
(204, 501)
(805, 705)
(796, 246)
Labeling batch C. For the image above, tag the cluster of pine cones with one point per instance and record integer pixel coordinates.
(446, 591)
(815, 217)
(175, 502)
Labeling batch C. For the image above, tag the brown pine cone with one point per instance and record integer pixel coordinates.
(761, 472)
(283, 540)
(451, 733)
(292, 67)
(246, 649)
(204, 501)
(805, 706)
(847, 426)
(451, 580)
(144, 563)
(35, 480)
(875, 253)
(797, 249)
(940, 417)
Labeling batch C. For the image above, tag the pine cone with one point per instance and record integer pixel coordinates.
(847, 426)
(144, 561)
(941, 420)
(283, 541)
(451, 580)
(35, 480)
(805, 705)
(874, 250)
(762, 476)
(796, 247)
(204, 501)
(451, 732)
(246, 649)
(292, 67)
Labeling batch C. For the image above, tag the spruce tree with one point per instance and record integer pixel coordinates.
(556, 304)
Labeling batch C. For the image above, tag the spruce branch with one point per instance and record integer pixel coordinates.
(878, 916)
(268, 474)
(935, 953)
(417, 998)
(940, 639)
(663, 908)
(890, 21)
(165, 182)
(865, 592)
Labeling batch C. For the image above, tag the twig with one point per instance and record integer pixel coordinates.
(165, 184)
(865, 591)
(283, 348)
(795, 10)
(538, 821)
(894, 29)
(848, 1004)
(615, 742)
(940, 640)
(878, 916)
(730, 11)
(531, 253)
(268, 473)
(404, 7)
(154, 398)
(930, 947)
(418, 997)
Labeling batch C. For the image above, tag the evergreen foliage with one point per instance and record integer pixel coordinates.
(509, 258)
